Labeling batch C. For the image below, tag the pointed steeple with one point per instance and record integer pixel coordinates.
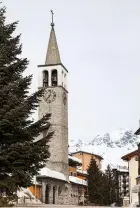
(53, 56)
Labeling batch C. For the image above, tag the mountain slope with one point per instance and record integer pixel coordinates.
(111, 146)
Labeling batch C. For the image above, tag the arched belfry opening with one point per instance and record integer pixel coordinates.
(45, 78)
(54, 77)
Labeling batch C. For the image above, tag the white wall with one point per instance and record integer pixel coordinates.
(62, 77)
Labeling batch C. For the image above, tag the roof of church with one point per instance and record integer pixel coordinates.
(53, 56)
(46, 172)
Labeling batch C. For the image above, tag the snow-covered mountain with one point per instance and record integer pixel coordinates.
(110, 146)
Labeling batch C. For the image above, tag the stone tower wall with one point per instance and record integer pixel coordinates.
(59, 119)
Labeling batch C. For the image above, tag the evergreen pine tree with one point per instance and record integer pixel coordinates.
(20, 156)
(111, 185)
(105, 190)
(95, 179)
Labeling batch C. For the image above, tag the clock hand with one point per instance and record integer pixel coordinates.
(49, 95)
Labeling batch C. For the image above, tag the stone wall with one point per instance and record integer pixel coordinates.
(77, 194)
(59, 120)
(65, 193)
(55, 192)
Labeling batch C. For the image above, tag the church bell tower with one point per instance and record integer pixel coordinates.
(53, 78)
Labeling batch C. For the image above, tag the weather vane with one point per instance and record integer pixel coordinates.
(52, 24)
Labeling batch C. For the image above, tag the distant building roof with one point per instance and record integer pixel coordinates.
(121, 168)
(89, 153)
(128, 156)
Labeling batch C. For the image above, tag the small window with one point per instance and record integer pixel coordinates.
(71, 173)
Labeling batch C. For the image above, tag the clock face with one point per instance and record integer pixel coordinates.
(64, 97)
(49, 96)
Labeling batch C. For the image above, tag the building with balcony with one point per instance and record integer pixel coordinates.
(121, 175)
(132, 159)
(86, 157)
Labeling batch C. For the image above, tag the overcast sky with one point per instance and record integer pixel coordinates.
(99, 43)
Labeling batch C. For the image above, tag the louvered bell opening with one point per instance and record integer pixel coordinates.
(46, 79)
(54, 78)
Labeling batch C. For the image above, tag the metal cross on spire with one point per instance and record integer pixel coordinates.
(52, 23)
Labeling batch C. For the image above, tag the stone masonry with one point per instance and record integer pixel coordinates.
(58, 191)
(58, 160)
(65, 193)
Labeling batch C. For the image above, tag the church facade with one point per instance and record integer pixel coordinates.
(54, 182)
